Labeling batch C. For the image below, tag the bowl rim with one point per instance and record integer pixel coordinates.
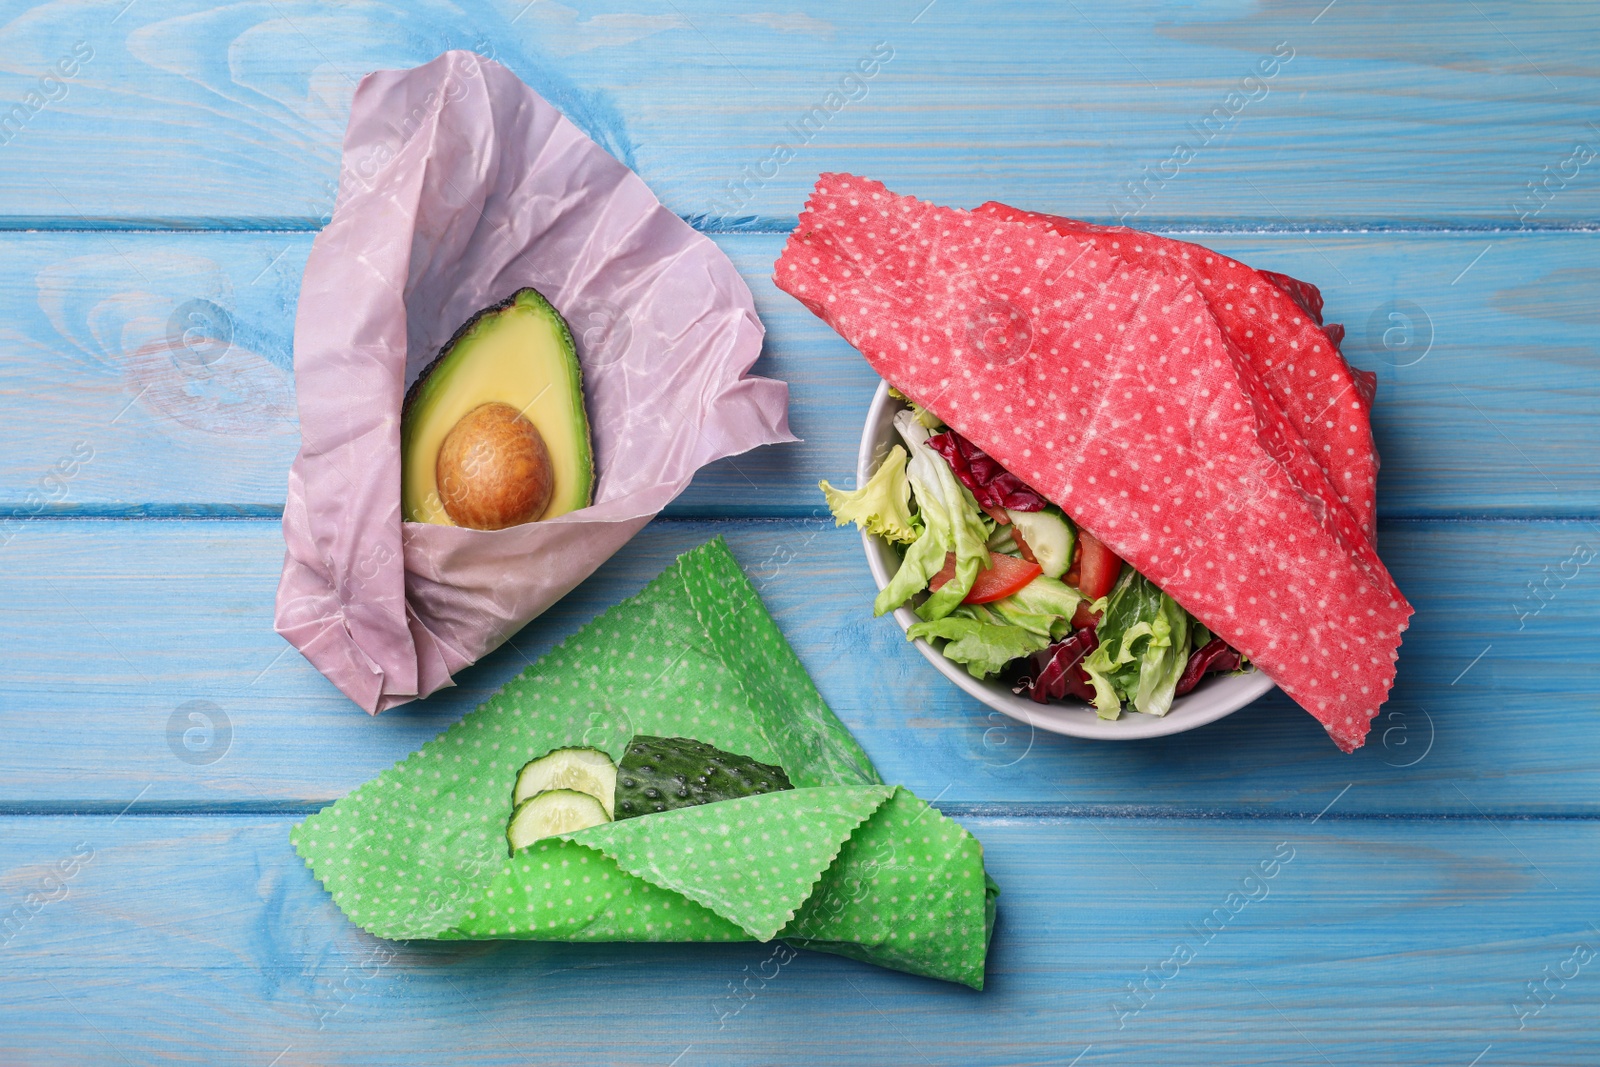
(1213, 699)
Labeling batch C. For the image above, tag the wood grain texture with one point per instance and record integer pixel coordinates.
(1385, 114)
(169, 356)
(1405, 943)
(109, 629)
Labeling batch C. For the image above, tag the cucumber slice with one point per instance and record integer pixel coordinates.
(588, 770)
(665, 773)
(1002, 541)
(1050, 536)
(554, 811)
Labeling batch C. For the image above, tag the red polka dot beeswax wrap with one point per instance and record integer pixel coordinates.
(1112, 388)
(1283, 341)
(841, 863)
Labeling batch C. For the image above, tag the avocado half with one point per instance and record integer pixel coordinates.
(517, 352)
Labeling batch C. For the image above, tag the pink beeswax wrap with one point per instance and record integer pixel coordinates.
(460, 185)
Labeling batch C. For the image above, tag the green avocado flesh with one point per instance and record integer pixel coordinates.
(664, 773)
(517, 352)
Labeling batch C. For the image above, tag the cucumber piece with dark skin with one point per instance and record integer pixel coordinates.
(665, 773)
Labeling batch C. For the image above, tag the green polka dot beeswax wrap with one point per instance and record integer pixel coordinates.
(841, 863)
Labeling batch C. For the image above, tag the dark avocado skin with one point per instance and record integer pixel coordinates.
(466, 327)
(665, 773)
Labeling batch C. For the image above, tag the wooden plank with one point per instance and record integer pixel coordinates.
(166, 361)
(1370, 113)
(110, 629)
(1487, 393)
(1400, 942)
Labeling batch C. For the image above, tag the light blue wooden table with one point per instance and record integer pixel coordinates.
(1431, 165)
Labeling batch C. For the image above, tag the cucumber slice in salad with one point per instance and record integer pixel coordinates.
(1050, 537)
(554, 811)
(588, 770)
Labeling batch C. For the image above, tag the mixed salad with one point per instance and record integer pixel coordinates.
(1010, 587)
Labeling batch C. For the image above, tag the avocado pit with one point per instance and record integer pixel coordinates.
(494, 469)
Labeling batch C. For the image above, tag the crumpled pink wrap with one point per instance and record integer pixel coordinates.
(459, 185)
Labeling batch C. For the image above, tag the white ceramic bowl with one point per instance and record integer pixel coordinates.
(1211, 699)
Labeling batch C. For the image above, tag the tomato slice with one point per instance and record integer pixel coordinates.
(1098, 566)
(997, 514)
(1006, 576)
(1083, 617)
(1022, 546)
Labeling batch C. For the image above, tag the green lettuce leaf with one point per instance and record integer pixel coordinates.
(927, 419)
(1047, 596)
(979, 640)
(881, 507)
(1163, 658)
(1014, 613)
(952, 522)
(1131, 623)
(1045, 605)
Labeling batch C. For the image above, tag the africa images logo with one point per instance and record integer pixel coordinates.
(51, 89)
